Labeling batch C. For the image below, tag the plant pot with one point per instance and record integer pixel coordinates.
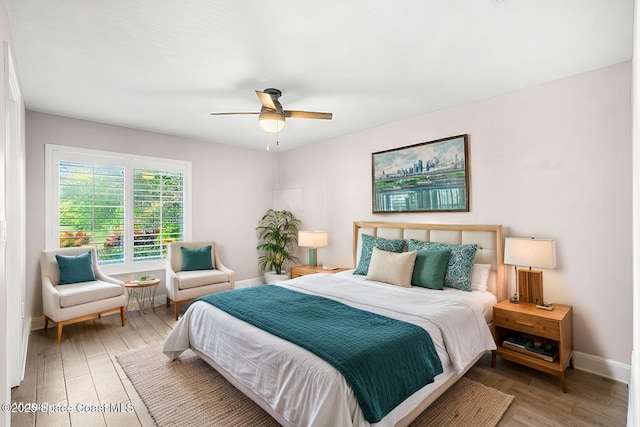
(272, 277)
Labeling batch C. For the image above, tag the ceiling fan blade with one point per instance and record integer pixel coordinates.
(266, 100)
(230, 114)
(294, 114)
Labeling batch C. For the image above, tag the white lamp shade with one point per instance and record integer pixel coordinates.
(271, 121)
(313, 239)
(528, 252)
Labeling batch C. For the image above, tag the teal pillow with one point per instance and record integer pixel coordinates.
(196, 259)
(75, 268)
(460, 265)
(368, 243)
(430, 268)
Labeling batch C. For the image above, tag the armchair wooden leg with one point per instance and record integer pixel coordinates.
(59, 332)
(46, 322)
(123, 316)
(168, 302)
(176, 309)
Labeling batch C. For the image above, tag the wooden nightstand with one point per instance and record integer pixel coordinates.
(553, 327)
(301, 270)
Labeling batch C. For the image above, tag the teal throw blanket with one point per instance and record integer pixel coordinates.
(384, 360)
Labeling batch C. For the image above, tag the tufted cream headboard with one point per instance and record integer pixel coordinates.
(488, 238)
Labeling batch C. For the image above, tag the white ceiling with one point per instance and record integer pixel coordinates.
(165, 65)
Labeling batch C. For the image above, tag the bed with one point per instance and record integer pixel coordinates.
(297, 387)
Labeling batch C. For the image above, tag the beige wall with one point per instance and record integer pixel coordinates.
(232, 187)
(548, 161)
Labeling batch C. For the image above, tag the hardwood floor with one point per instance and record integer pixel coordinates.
(83, 369)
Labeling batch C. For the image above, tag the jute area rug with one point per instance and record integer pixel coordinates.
(188, 392)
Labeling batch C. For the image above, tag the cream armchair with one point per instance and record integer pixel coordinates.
(184, 285)
(65, 304)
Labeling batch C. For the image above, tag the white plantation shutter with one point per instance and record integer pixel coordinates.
(92, 208)
(128, 207)
(158, 212)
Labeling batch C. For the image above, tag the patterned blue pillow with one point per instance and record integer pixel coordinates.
(368, 243)
(460, 264)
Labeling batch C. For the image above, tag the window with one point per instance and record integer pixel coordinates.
(158, 209)
(91, 208)
(128, 207)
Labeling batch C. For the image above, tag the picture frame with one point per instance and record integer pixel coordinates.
(429, 176)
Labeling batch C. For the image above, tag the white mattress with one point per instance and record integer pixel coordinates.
(300, 389)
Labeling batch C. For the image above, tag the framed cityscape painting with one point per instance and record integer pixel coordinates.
(427, 177)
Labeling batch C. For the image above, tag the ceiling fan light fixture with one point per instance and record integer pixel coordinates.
(272, 117)
(271, 121)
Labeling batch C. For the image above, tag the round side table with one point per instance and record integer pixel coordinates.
(143, 293)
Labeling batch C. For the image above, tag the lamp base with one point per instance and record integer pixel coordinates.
(514, 300)
(313, 257)
(530, 286)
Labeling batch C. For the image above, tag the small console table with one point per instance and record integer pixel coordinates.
(143, 293)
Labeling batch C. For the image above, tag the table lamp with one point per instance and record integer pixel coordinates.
(530, 252)
(313, 240)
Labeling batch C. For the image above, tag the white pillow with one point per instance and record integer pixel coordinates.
(480, 276)
(391, 267)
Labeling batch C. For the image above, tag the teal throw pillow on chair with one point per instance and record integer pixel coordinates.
(196, 259)
(75, 268)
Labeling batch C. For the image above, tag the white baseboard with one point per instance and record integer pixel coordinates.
(248, 283)
(160, 300)
(25, 340)
(37, 323)
(157, 300)
(604, 367)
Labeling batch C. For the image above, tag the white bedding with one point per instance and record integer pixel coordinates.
(299, 388)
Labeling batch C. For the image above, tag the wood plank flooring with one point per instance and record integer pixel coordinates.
(83, 369)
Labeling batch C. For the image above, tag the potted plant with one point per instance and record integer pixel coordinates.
(277, 238)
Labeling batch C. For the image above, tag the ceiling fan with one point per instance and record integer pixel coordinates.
(272, 115)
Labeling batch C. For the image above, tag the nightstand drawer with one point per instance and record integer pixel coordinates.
(298, 273)
(526, 323)
(303, 270)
